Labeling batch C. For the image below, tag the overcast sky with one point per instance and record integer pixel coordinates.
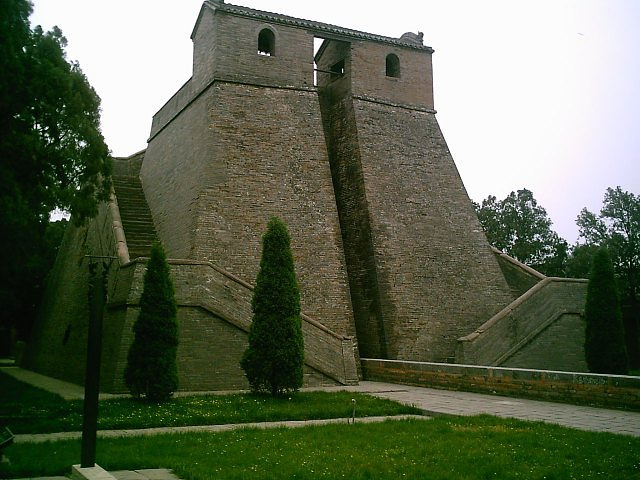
(530, 94)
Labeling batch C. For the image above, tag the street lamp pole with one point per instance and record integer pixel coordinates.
(92, 377)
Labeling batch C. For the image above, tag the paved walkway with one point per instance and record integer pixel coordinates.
(445, 402)
(149, 474)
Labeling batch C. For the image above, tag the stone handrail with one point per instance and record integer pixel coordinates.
(207, 286)
(122, 250)
(506, 332)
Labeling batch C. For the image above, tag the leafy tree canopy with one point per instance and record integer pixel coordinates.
(51, 149)
(521, 228)
(618, 228)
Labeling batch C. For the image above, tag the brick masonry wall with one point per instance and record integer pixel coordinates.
(267, 148)
(437, 275)
(560, 345)
(214, 314)
(413, 87)
(396, 185)
(58, 343)
(179, 101)
(613, 391)
(177, 165)
(226, 47)
(238, 154)
(366, 184)
(235, 54)
(60, 331)
(541, 329)
(346, 170)
(519, 277)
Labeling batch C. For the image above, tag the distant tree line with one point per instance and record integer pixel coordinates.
(521, 228)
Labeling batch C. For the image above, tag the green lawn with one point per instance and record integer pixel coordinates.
(26, 409)
(442, 448)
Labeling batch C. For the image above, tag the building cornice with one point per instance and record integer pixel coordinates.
(322, 29)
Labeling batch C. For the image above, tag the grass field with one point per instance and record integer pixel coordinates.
(473, 448)
(441, 448)
(26, 409)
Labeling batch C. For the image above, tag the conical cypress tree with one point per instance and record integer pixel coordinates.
(604, 337)
(274, 360)
(151, 369)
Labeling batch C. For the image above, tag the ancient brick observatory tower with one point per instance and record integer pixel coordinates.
(344, 146)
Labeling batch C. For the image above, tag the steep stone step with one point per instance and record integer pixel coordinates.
(135, 215)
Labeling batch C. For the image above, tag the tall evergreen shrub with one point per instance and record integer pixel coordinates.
(151, 370)
(274, 359)
(604, 337)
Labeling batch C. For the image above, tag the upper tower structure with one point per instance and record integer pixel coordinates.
(240, 44)
(345, 146)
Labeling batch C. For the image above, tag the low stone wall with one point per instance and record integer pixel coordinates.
(528, 332)
(612, 391)
(214, 314)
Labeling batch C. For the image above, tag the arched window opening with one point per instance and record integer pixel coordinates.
(266, 42)
(393, 65)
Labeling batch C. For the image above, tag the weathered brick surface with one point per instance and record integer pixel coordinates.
(240, 153)
(350, 197)
(541, 329)
(63, 314)
(213, 201)
(277, 167)
(396, 186)
(226, 47)
(173, 175)
(560, 345)
(520, 277)
(214, 314)
(615, 391)
(236, 52)
(413, 87)
(436, 274)
(58, 344)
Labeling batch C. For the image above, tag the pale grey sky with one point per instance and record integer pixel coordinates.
(530, 94)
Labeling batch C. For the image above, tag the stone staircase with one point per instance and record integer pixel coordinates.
(135, 215)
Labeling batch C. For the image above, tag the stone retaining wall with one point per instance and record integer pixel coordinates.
(613, 391)
(214, 314)
(542, 329)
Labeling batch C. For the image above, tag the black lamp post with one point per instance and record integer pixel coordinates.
(97, 296)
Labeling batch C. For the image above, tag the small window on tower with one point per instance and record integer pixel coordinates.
(393, 65)
(266, 42)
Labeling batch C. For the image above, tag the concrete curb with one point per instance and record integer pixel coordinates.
(46, 437)
(90, 473)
